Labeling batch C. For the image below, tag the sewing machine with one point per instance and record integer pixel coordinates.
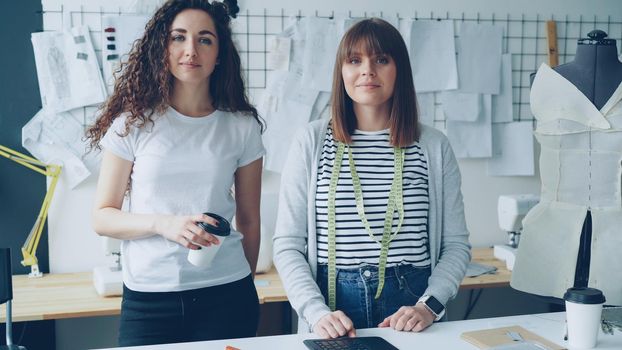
(108, 280)
(511, 209)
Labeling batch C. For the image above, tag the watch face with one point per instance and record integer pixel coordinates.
(435, 305)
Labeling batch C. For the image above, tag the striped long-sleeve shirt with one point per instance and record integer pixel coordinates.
(374, 159)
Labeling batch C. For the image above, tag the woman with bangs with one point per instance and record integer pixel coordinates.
(370, 229)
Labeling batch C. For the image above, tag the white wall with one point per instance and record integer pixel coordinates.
(74, 246)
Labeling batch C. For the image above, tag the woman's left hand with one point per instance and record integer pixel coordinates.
(409, 319)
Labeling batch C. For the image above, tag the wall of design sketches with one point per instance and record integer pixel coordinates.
(471, 72)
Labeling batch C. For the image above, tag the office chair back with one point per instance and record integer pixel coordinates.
(6, 282)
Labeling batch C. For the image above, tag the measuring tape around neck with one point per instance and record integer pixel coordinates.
(395, 202)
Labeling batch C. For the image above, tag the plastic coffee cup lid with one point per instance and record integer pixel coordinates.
(223, 228)
(582, 295)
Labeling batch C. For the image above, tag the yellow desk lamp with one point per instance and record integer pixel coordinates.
(29, 248)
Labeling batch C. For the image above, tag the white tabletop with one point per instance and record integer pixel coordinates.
(444, 335)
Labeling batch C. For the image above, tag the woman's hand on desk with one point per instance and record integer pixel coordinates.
(184, 230)
(409, 319)
(334, 325)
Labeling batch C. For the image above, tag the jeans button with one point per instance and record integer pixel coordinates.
(367, 273)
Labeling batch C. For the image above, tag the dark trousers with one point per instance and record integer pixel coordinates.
(226, 311)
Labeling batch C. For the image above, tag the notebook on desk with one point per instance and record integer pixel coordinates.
(501, 338)
(359, 343)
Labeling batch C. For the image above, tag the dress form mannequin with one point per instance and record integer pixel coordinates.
(578, 106)
(596, 70)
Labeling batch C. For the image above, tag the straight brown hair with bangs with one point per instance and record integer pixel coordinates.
(376, 36)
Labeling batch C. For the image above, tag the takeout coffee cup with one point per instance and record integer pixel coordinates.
(583, 310)
(203, 257)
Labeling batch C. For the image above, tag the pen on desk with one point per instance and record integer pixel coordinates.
(517, 337)
(566, 331)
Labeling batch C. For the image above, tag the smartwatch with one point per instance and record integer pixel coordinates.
(433, 305)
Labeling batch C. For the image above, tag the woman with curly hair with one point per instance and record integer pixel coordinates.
(177, 133)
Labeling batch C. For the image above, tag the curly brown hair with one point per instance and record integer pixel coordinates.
(144, 83)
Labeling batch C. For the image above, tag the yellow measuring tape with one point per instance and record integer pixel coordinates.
(395, 202)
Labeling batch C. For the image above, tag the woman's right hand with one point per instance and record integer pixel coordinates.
(185, 231)
(334, 325)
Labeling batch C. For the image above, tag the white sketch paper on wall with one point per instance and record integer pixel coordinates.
(461, 106)
(319, 52)
(277, 57)
(287, 107)
(57, 138)
(472, 139)
(502, 110)
(479, 57)
(426, 108)
(67, 69)
(433, 55)
(513, 150)
(295, 31)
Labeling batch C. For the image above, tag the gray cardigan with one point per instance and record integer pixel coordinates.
(295, 244)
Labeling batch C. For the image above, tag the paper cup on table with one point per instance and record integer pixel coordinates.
(583, 310)
(204, 256)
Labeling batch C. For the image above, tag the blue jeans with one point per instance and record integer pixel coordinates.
(403, 286)
(226, 311)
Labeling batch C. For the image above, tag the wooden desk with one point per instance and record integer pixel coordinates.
(69, 295)
(499, 279)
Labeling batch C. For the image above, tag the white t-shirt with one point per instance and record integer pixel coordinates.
(183, 166)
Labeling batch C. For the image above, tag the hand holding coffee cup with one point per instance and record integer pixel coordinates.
(583, 310)
(203, 257)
